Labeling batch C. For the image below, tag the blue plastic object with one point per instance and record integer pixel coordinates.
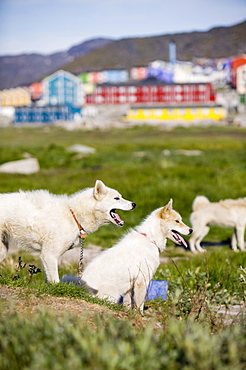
(157, 289)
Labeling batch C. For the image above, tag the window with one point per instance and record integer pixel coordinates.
(132, 90)
(205, 111)
(202, 87)
(158, 112)
(178, 88)
(122, 98)
(147, 112)
(132, 98)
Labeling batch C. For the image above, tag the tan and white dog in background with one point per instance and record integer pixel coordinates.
(51, 224)
(228, 213)
(126, 269)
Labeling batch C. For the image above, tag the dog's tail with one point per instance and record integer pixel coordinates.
(199, 202)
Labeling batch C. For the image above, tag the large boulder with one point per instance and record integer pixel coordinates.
(24, 166)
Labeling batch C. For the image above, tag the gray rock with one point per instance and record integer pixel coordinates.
(83, 149)
(23, 166)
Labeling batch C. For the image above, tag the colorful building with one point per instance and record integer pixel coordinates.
(48, 114)
(236, 62)
(176, 113)
(241, 79)
(107, 76)
(62, 88)
(17, 97)
(149, 92)
(36, 90)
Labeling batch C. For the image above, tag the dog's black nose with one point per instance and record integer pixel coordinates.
(190, 231)
(133, 205)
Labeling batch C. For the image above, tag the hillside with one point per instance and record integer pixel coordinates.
(27, 68)
(219, 42)
(99, 54)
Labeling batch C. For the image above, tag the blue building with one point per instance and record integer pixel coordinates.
(47, 114)
(63, 88)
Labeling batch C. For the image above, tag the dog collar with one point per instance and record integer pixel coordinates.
(82, 233)
(152, 241)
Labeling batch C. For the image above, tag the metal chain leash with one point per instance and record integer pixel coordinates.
(82, 236)
(81, 256)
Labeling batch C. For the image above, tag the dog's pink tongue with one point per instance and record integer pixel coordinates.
(117, 219)
(179, 239)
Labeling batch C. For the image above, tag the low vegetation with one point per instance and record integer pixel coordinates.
(147, 165)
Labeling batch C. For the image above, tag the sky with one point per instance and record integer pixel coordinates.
(49, 26)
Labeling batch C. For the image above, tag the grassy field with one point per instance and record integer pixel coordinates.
(148, 166)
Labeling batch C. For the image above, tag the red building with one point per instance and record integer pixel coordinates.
(236, 62)
(196, 93)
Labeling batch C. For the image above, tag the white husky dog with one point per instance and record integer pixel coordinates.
(126, 269)
(229, 213)
(51, 224)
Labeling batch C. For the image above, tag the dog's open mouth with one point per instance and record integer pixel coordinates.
(116, 218)
(178, 238)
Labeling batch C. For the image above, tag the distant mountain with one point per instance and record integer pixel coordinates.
(24, 69)
(100, 54)
(219, 42)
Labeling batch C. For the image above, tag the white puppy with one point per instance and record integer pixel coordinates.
(51, 224)
(126, 269)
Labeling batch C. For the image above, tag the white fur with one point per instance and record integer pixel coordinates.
(126, 269)
(43, 222)
(228, 213)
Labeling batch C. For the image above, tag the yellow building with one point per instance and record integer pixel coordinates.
(17, 97)
(177, 113)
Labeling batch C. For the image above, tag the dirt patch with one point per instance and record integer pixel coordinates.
(21, 301)
(24, 303)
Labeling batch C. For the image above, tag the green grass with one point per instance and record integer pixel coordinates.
(69, 342)
(149, 179)
(132, 161)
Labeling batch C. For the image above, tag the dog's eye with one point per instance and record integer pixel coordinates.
(177, 221)
(117, 198)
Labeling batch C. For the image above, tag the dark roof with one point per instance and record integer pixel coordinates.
(174, 106)
(151, 81)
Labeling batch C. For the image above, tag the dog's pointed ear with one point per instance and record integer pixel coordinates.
(170, 204)
(166, 208)
(99, 190)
